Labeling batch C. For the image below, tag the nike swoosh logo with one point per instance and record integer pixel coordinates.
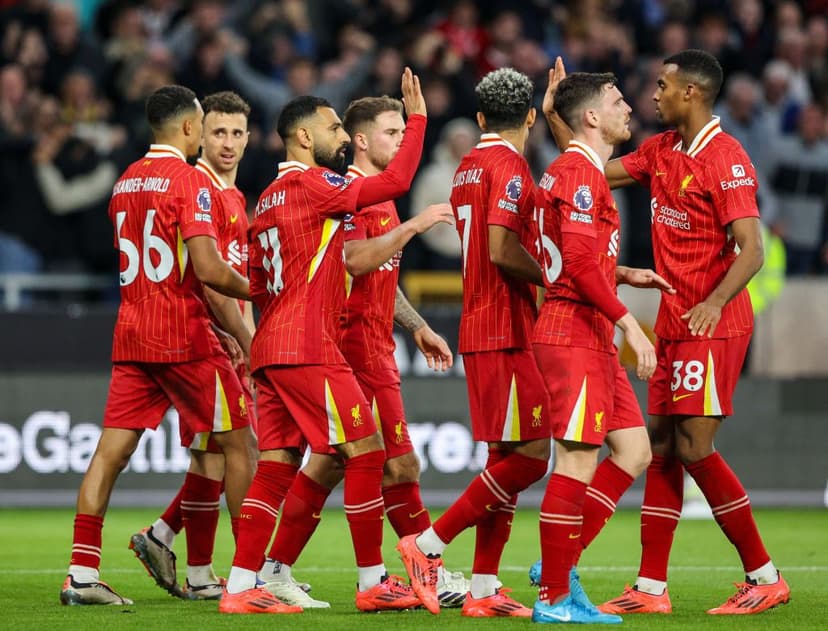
(490, 509)
(384, 221)
(563, 618)
(413, 515)
(679, 397)
(575, 536)
(660, 173)
(317, 515)
(233, 218)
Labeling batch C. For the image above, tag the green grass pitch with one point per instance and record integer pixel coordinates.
(35, 544)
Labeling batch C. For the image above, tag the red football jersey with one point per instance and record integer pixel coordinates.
(695, 194)
(230, 221)
(573, 197)
(367, 336)
(493, 186)
(297, 276)
(158, 203)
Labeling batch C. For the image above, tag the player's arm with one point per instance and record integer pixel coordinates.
(432, 346)
(213, 271)
(579, 260)
(507, 252)
(641, 278)
(230, 318)
(704, 317)
(366, 255)
(396, 179)
(617, 175)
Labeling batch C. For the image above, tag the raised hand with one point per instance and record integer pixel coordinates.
(556, 75)
(413, 98)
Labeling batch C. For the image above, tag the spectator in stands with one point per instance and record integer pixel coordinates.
(778, 106)
(799, 176)
(741, 117)
(68, 47)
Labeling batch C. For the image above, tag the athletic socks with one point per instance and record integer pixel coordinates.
(731, 509)
(561, 518)
(608, 484)
(200, 513)
(364, 508)
(487, 493)
(404, 508)
(301, 514)
(258, 514)
(86, 543)
(492, 532)
(660, 513)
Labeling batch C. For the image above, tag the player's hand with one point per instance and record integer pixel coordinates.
(413, 98)
(642, 279)
(703, 318)
(641, 346)
(556, 75)
(432, 215)
(231, 347)
(434, 348)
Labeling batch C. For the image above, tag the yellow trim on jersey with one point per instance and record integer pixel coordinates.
(336, 432)
(349, 284)
(575, 426)
(511, 424)
(712, 407)
(375, 412)
(182, 255)
(221, 415)
(328, 231)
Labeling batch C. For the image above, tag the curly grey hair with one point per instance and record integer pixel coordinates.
(504, 96)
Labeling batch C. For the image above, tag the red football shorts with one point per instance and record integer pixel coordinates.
(204, 441)
(382, 389)
(316, 405)
(206, 393)
(590, 392)
(507, 400)
(696, 377)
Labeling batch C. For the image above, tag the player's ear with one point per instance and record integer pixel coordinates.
(361, 141)
(303, 136)
(531, 116)
(481, 121)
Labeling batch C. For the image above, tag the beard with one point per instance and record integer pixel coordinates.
(334, 160)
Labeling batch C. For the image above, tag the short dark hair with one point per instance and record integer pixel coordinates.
(701, 68)
(167, 103)
(504, 97)
(296, 111)
(365, 111)
(576, 91)
(226, 102)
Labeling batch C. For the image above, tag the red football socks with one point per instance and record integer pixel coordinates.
(301, 514)
(259, 510)
(731, 508)
(404, 508)
(86, 541)
(660, 513)
(200, 514)
(561, 518)
(364, 508)
(608, 484)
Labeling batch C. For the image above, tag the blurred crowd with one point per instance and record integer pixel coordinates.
(74, 76)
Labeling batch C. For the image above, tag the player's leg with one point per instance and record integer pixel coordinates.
(301, 514)
(276, 469)
(134, 403)
(561, 520)
(763, 587)
(507, 401)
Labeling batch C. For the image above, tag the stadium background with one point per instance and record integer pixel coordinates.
(73, 77)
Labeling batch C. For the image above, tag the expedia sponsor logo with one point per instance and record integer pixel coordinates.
(669, 216)
(732, 184)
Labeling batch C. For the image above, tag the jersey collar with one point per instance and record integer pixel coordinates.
(702, 139)
(576, 146)
(494, 140)
(290, 167)
(215, 178)
(354, 172)
(164, 151)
